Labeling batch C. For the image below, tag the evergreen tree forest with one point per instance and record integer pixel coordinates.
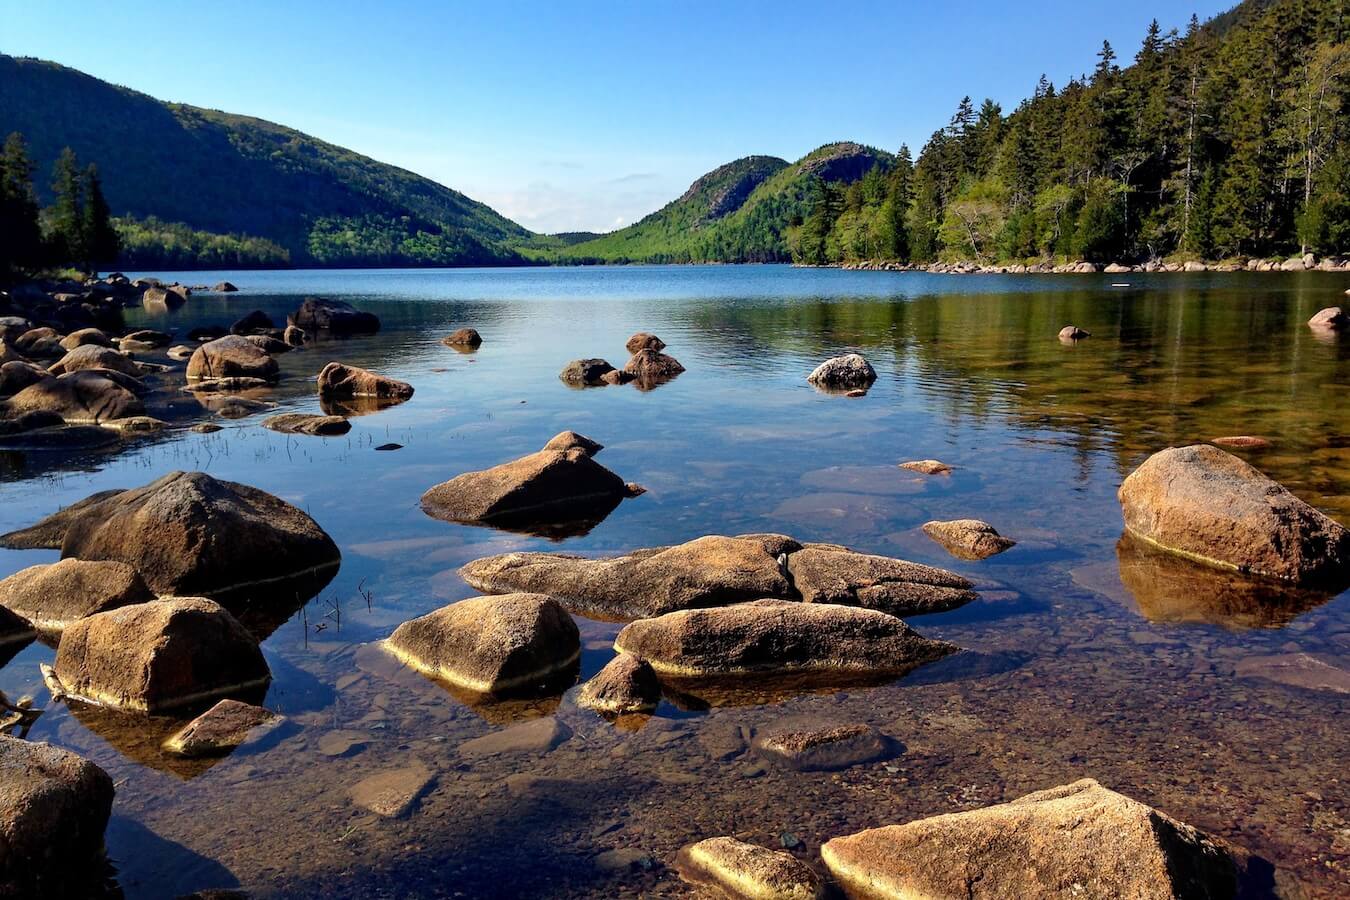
(1229, 140)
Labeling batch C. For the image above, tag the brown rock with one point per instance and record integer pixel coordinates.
(616, 376)
(84, 337)
(52, 596)
(535, 736)
(224, 727)
(652, 366)
(569, 440)
(145, 339)
(159, 299)
(341, 381)
(842, 372)
(159, 656)
(1078, 840)
(464, 337)
(582, 372)
(224, 287)
(231, 356)
(395, 792)
(16, 375)
(547, 487)
(825, 575)
(1071, 333)
(1212, 507)
(189, 534)
(815, 749)
(338, 318)
(644, 341)
(968, 538)
(205, 428)
(709, 571)
(776, 636)
(268, 344)
(95, 356)
(625, 685)
(79, 397)
(295, 336)
(1244, 441)
(927, 466)
(51, 531)
(54, 807)
(252, 323)
(39, 342)
(9, 354)
(490, 645)
(1333, 318)
(735, 869)
(308, 423)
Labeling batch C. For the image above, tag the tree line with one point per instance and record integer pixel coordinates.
(1231, 139)
(76, 230)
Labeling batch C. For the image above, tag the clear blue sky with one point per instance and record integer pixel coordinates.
(585, 115)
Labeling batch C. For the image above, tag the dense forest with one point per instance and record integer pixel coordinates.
(1231, 139)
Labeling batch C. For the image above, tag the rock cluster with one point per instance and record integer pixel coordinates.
(647, 367)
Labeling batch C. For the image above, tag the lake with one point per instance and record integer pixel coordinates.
(1084, 659)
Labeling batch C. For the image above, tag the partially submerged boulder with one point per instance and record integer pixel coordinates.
(842, 372)
(79, 397)
(52, 596)
(190, 534)
(825, 574)
(159, 656)
(491, 645)
(735, 869)
(341, 381)
(308, 423)
(927, 466)
(54, 807)
(652, 366)
(232, 356)
(585, 372)
(252, 323)
(95, 356)
(333, 316)
(644, 341)
(968, 538)
(778, 636)
(548, 487)
(1205, 504)
(464, 337)
(1071, 333)
(1333, 318)
(160, 299)
(1076, 840)
(625, 685)
(222, 728)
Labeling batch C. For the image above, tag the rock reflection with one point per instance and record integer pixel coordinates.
(264, 608)
(698, 694)
(1171, 590)
(352, 407)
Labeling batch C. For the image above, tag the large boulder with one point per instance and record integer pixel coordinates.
(968, 538)
(162, 299)
(730, 868)
(709, 571)
(87, 396)
(340, 381)
(51, 531)
(232, 356)
(843, 372)
(159, 656)
(652, 366)
(333, 316)
(464, 337)
(826, 574)
(95, 356)
(491, 645)
(40, 342)
(585, 372)
(190, 534)
(644, 340)
(15, 375)
(9, 354)
(625, 685)
(1333, 318)
(778, 636)
(54, 807)
(1212, 507)
(84, 337)
(52, 596)
(1078, 840)
(547, 487)
(144, 339)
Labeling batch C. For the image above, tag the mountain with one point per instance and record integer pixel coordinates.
(228, 174)
(739, 212)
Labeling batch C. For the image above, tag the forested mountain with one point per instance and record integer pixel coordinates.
(228, 175)
(739, 212)
(1231, 139)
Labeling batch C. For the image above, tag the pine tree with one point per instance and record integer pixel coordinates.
(20, 233)
(66, 216)
(99, 242)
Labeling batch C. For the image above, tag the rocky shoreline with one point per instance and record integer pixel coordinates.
(1304, 263)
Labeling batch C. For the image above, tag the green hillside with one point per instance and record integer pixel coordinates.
(234, 175)
(739, 212)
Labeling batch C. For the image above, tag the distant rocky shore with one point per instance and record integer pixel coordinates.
(1305, 263)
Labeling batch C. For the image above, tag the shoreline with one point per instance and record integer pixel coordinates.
(1305, 263)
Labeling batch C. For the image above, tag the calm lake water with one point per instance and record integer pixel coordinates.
(1085, 660)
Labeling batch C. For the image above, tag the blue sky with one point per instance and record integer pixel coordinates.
(585, 115)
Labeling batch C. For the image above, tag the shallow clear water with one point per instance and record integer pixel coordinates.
(1156, 685)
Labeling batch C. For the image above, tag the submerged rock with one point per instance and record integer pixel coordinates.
(535, 736)
(1071, 333)
(625, 685)
(824, 749)
(52, 596)
(1333, 318)
(54, 807)
(490, 645)
(848, 371)
(1212, 507)
(774, 636)
(393, 793)
(547, 488)
(78, 397)
(190, 534)
(159, 656)
(341, 381)
(464, 337)
(223, 728)
(735, 869)
(927, 466)
(333, 316)
(968, 538)
(308, 423)
(585, 372)
(1295, 670)
(231, 356)
(824, 574)
(1079, 839)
